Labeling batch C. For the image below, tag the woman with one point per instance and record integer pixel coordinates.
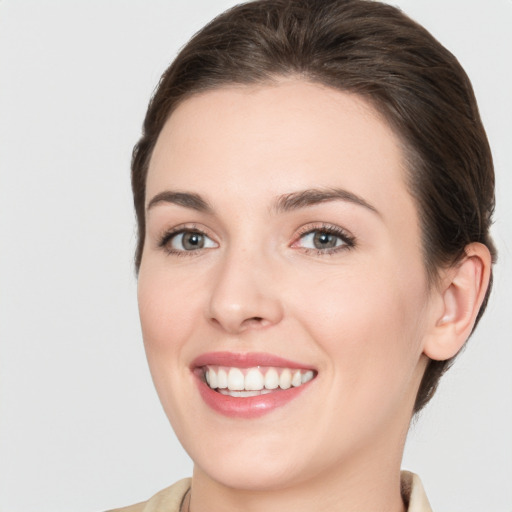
(314, 191)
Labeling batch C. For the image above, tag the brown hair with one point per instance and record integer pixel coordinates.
(377, 52)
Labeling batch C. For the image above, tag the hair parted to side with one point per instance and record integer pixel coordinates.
(373, 50)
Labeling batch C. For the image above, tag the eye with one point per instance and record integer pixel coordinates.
(186, 241)
(325, 240)
(320, 240)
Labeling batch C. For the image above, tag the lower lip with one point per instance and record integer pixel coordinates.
(251, 406)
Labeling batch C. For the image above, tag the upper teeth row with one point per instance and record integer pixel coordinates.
(255, 379)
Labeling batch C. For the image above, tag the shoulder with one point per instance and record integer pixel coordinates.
(167, 500)
(413, 493)
(138, 507)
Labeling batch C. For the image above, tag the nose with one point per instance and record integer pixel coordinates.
(244, 295)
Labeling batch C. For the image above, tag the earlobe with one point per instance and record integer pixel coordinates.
(460, 296)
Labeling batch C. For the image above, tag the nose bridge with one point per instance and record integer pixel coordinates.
(243, 295)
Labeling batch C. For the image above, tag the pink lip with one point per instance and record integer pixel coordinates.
(247, 360)
(248, 407)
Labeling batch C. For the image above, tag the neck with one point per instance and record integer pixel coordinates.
(357, 486)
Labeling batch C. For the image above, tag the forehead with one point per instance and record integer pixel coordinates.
(278, 138)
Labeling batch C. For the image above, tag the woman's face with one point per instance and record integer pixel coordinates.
(283, 249)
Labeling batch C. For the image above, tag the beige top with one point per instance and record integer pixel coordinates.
(169, 500)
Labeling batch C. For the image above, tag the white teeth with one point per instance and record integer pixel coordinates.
(245, 393)
(307, 376)
(285, 379)
(222, 379)
(254, 381)
(236, 380)
(271, 379)
(212, 378)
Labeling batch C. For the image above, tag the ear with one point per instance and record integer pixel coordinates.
(458, 300)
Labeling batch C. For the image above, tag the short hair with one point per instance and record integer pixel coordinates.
(375, 51)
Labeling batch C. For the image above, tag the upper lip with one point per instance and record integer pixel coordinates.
(246, 360)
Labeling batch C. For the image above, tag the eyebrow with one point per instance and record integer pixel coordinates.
(185, 199)
(311, 197)
(284, 203)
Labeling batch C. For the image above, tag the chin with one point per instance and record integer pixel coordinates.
(256, 475)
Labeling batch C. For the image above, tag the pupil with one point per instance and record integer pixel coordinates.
(324, 240)
(193, 241)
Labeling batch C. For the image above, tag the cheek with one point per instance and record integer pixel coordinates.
(168, 316)
(168, 308)
(166, 324)
(368, 325)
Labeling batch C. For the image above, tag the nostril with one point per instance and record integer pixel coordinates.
(254, 321)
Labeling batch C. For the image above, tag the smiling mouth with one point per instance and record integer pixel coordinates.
(255, 381)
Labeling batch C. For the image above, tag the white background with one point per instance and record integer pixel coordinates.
(81, 428)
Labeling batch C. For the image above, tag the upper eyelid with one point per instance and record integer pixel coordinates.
(184, 227)
(323, 226)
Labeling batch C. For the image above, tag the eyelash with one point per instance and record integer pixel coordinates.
(348, 240)
(168, 236)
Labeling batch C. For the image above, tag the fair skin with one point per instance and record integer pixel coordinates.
(335, 282)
